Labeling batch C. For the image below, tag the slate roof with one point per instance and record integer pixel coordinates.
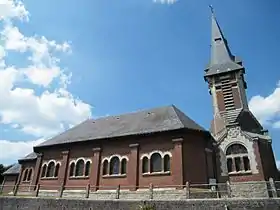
(142, 122)
(256, 135)
(222, 60)
(30, 156)
(15, 169)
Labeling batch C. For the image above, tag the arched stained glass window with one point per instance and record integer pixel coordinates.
(87, 170)
(44, 168)
(50, 169)
(156, 162)
(80, 168)
(56, 170)
(166, 163)
(105, 168)
(123, 166)
(114, 165)
(72, 169)
(145, 165)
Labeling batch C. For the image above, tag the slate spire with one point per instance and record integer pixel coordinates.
(222, 59)
(220, 52)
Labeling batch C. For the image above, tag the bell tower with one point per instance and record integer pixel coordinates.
(245, 151)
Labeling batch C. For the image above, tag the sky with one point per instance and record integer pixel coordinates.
(62, 62)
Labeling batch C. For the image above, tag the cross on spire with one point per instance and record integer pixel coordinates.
(211, 8)
(221, 58)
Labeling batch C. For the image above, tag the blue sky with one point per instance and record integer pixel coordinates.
(121, 56)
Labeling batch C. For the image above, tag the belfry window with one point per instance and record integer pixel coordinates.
(237, 159)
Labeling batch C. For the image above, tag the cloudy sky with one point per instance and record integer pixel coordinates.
(65, 61)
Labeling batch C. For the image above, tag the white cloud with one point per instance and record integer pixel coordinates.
(42, 76)
(16, 149)
(267, 108)
(165, 1)
(278, 164)
(40, 114)
(12, 9)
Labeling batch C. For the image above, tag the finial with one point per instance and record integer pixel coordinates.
(211, 8)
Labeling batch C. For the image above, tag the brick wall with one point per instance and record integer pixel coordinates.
(133, 148)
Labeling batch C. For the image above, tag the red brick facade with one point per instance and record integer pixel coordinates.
(184, 147)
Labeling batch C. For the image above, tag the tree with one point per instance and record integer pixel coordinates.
(2, 170)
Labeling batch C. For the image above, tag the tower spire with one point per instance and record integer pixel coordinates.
(222, 59)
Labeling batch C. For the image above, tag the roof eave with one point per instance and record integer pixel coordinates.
(25, 160)
(121, 136)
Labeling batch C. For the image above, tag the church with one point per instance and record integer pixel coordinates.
(162, 145)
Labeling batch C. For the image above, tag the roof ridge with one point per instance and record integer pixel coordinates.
(132, 112)
(182, 114)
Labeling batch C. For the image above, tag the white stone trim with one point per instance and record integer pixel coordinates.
(115, 155)
(162, 154)
(52, 160)
(85, 159)
(235, 136)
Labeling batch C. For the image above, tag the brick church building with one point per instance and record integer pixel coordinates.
(162, 146)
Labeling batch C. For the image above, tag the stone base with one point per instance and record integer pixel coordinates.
(249, 190)
(8, 203)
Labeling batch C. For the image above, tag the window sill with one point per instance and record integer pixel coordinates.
(49, 178)
(161, 173)
(79, 177)
(236, 173)
(114, 176)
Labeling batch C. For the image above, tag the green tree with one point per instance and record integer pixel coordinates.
(2, 170)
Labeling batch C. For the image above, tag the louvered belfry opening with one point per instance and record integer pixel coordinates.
(226, 87)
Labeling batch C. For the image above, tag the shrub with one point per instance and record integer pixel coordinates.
(146, 207)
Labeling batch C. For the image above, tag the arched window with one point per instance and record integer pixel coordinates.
(145, 165)
(156, 162)
(105, 167)
(229, 165)
(80, 168)
(237, 158)
(56, 170)
(114, 165)
(166, 163)
(123, 166)
(50, 169)
(236, 149)
(29, 174)
(44, 168)
(87, 170)
(25, 175)
(72, 169)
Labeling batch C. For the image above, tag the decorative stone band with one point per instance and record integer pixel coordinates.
(66, 152)
(133, 145)
(96, 149)
(178, 140)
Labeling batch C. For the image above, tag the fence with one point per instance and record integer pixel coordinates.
(269, 188)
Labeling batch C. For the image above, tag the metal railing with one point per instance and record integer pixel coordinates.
(177, 192)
